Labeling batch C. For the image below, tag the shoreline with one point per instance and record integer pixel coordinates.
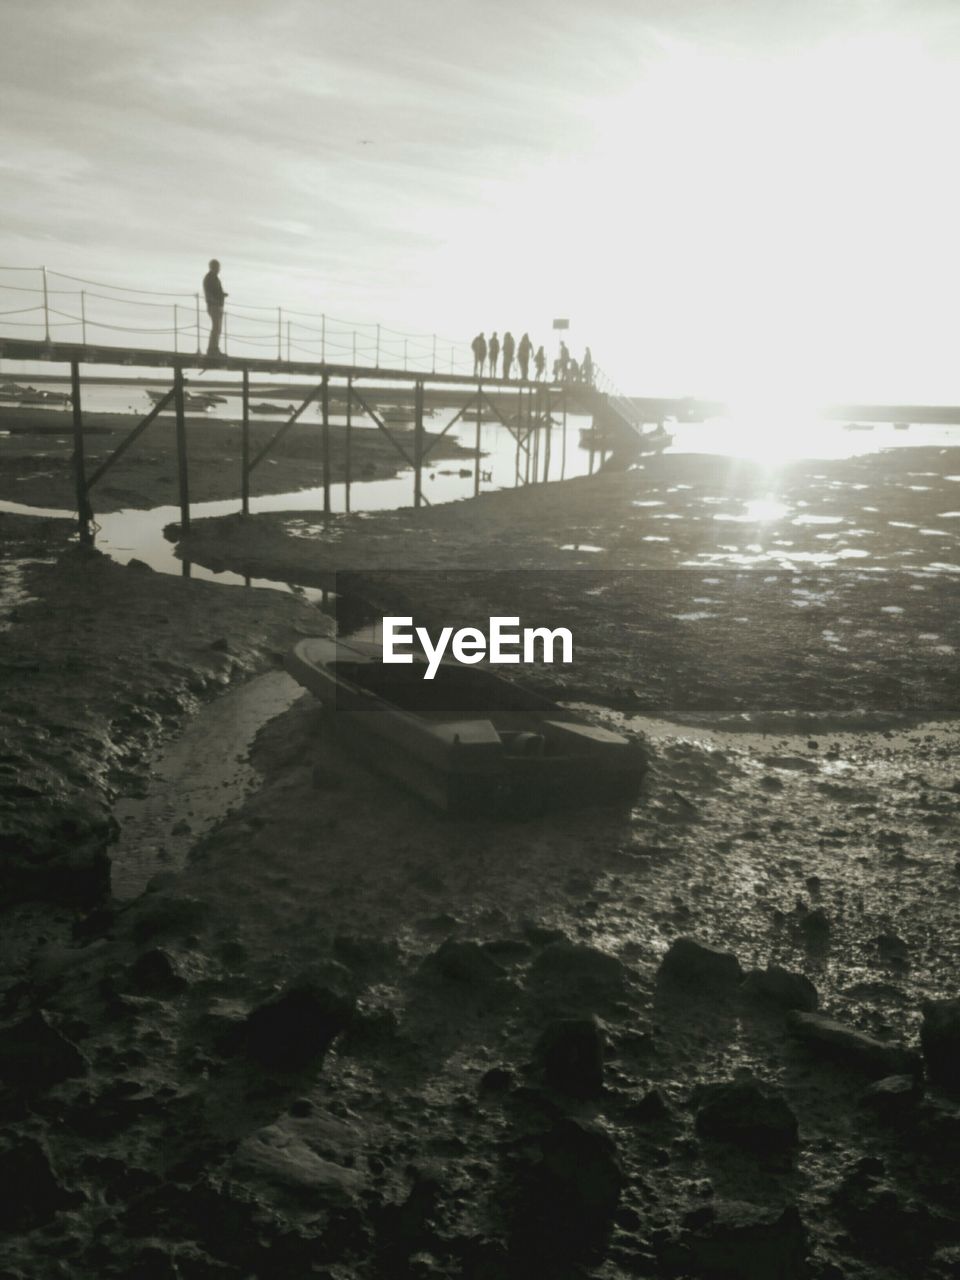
(146, 476)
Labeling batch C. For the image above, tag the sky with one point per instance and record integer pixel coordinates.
(727, 198)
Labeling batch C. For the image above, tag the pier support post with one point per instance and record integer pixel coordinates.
(348, 447)
(182, 476)
(476, 447)
(84, 514)
(245, 447)
(417, 443)
(325, 407)
(46, 307)
(563, 468)
(83, 316)
(548, 427)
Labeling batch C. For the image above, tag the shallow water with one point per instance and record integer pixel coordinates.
(193, 782)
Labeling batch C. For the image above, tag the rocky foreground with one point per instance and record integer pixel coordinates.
(712, 1037)
(703, 1039)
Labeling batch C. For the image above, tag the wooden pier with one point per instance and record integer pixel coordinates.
(527, 409)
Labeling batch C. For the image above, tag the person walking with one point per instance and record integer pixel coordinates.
(540, 362)
(479, 347)
(564, 361)
(215, 299)
(586, 369)
(509, 346)
(493, 352)
(524, 351)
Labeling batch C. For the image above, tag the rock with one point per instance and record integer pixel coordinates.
(734, 1240)
(578, 969)
(940, 1042)
(781, 987)
(139, 566)
(285, 1160)
(651, 1108)
(465, 962)
(173, 914)
(565, 1198)
(570, 1053)
(815, 929)
(56, 852)
(856, 1049)
(741, 1113)
(34, 1055)
(155, 973)
(698, 965)
(32, 1192)
(497, 1080)
(892, 1096)
(893, 950)
(297, 1028)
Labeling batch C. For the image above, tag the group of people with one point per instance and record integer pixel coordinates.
(487, 354)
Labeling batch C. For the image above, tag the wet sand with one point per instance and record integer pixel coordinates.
(696, 584)
(410, 1126)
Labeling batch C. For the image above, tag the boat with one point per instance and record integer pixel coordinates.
(270, 408)
(200, 400)
(468, 742)
(31, 396)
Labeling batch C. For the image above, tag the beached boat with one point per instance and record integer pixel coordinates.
(200, 400)
(31, 396)
(468, 742)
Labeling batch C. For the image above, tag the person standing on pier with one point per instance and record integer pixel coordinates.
(509, 346)
(564, 361)
(493, 351)
(215, 297)
(540, 362)
(479, 348)
(586, 369)
(524, 351)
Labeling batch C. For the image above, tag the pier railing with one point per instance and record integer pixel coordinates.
(43, 305)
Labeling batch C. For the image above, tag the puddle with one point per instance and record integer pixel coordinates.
(194, 781)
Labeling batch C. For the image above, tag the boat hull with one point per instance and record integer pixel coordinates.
(468, 742)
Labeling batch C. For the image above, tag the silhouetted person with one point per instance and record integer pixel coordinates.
(564, 361)
(524, 351)
(540, 362)
(479, 348)
(573, 371)
(556, 369)
(213, 292)
(493, 352)
(509, 346)
(587, 367)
